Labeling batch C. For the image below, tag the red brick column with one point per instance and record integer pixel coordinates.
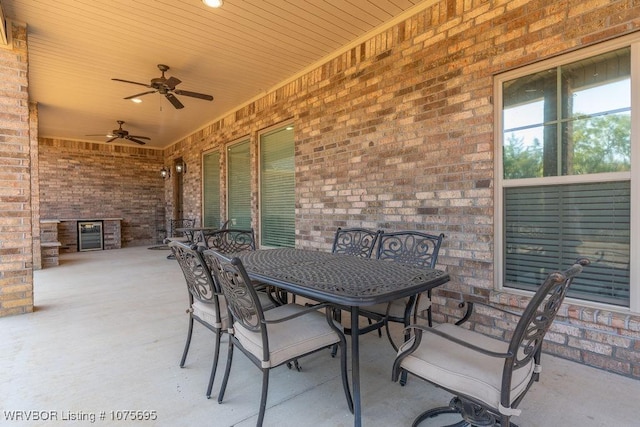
(16, 256)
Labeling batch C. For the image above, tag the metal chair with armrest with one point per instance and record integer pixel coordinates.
(273, 338)
(488, 377)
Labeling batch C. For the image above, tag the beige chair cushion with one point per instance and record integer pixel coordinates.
(466, 371)
(291, 338)
(207, 312)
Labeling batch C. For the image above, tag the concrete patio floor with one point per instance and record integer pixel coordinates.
(108, 332)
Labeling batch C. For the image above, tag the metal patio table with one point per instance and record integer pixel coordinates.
(342, 280)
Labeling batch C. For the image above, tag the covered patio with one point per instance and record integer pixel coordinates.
(70, 359)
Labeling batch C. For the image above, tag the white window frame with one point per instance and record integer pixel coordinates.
(634, 175)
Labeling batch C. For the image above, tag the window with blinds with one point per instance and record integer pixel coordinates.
(277, 188)
(211, 189)
(239, 185)
(549, 227)
(566, 174)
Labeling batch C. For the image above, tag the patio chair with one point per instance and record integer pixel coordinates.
(488, 377)
(358, 242)
(230, 240)
(406, 247)
(273, 338)
(174, 224)
(206, 304)
(355, 241)
(175, 235)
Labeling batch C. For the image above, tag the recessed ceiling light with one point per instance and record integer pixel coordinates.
(136, 100)
(213, 3)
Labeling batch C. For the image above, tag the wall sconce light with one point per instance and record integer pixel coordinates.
(181, 167)
(165, 173)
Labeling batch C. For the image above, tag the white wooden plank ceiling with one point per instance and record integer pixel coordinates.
(235, 53)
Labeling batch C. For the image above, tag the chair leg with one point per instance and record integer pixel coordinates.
(216, 355)
(188, 343)
(263, 397)
(227, 369)
(393, 344)
(407, 336)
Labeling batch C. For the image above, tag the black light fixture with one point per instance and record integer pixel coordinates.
(165, 173)
(181, 167)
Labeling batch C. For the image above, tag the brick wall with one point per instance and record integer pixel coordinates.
(397, 133)
(16, 261)
(94, 180)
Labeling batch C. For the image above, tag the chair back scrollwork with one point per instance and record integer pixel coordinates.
(228, 241)
(355, 242)
(410, 247)
(540, 313)
(197, 275)
(242, 299)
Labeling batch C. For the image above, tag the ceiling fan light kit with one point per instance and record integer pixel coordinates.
(123, 134)
(167, 87)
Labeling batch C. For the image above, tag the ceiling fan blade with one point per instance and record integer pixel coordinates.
(133, 83)
(172, 82)
(174, 101)
(98, 134)
(112, 139)
(139, 137)
(194, 94)
(140, 94)
(137, 141)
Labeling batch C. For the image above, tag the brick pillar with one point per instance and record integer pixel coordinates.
(16, 250)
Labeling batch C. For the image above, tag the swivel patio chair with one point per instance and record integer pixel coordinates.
(488, 377)
(206, 303)
(406, 247)
(273, 338)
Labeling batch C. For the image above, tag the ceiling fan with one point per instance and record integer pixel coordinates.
(166, 87)
(123, 134)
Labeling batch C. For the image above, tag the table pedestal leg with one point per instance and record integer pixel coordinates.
(355, 365)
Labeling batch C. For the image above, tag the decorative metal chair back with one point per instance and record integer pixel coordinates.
(355, 241)
(196, 273)
(526, 342)
(410, 247)
(485, 396)
(180, 223)
(242, 300)
(230, 240)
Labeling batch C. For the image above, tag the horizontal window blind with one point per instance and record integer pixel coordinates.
(211, 189)
(277, 180)
(548, 227)
(239, 186)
